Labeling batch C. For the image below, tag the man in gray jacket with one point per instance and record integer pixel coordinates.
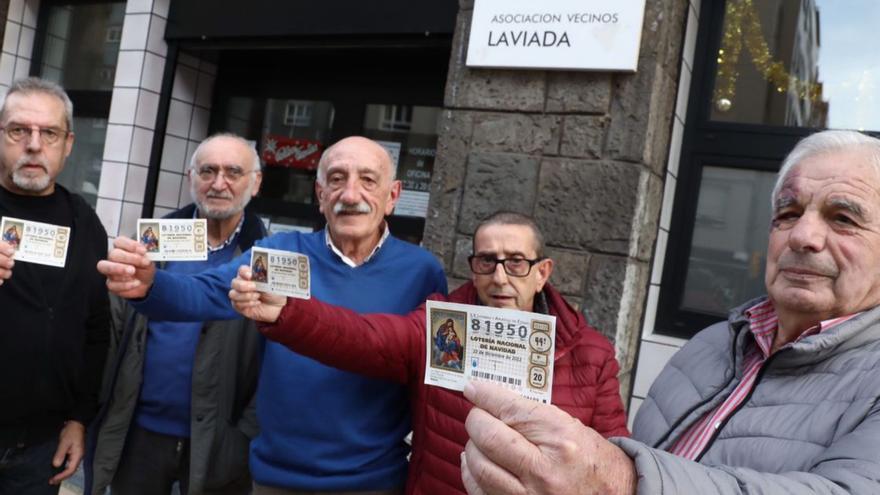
(784, 397)
(180, 397)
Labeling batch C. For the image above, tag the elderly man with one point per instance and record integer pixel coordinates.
(321, 429)
(782, 398)
(509, 271)
(169, 374)
(53, 340)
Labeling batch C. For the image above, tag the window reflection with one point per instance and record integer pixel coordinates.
(728, 250)
(800, 63)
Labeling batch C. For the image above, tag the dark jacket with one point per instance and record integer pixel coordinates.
(811, 424)
(389, 346)
(224, 385)
(52, 352)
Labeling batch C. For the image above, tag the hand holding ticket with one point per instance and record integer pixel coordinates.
(509, 347)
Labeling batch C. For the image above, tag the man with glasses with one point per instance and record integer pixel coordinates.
(509, 271)
(53, 340)
(182, 405)
(321, 429)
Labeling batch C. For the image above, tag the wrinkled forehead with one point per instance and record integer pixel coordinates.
(362, 157)
(33, 108)
(843, 175)
(222, 151)
(502, 239)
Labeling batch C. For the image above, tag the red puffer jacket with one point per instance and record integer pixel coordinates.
(393, 347)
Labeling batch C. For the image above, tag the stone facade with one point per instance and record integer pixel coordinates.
(584, 153)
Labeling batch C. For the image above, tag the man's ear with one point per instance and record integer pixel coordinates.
(544, 269)
(258, 181)
(319, 193)
(395, 195)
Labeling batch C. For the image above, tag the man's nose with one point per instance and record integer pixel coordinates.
(499, 276)
(34, 140)
(351, 193)
(809, 233)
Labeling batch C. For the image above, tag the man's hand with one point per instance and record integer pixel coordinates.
(128, 270)
(258, 306)
(71, 446)
(6, 261)
(518, 446)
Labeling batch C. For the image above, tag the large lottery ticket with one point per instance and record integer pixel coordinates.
(36, 242)
(509, 347)
(174, 239)
(281, 272)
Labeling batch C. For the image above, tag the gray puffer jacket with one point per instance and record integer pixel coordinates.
(810, 426)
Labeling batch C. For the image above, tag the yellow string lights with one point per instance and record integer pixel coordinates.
(742, 28)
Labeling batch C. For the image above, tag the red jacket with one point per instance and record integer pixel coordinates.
(393, 347)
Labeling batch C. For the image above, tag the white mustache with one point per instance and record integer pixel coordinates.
(359, 207)
(791, 260)
(31, 160)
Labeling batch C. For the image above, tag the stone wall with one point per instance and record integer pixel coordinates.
(584, 153)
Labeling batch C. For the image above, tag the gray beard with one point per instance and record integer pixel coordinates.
(32, 184)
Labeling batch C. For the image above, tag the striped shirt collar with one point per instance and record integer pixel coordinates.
(348, 261)
(764, 323)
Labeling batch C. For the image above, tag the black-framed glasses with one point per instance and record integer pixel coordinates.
(231, 173)
(483, 264)
(48, 135)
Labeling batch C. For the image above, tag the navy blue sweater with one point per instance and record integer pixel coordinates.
(321, 429)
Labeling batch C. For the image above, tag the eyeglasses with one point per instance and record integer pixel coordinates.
(48, 135)
(515, 267)
(231, 174)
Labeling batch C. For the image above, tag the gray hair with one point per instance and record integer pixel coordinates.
(30, 85)
(322, 162)
(504, 217)
(824, 142)
(255, 157)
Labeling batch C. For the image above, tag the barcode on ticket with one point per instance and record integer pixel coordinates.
(496, 378)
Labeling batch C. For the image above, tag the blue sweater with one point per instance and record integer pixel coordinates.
(321, 429)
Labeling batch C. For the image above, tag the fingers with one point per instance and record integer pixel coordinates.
(495, 440)
(73, 461)
(112, 269)
(6, 261)
(470, 483)
(244, 272)
(485, 476)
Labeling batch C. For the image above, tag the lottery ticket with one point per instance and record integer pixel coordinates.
(509, 347)
(281, 272)
(36, 242)
(174, 239)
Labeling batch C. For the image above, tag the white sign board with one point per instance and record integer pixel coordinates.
(601, 35)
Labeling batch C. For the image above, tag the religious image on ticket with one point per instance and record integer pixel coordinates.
(149, 236)
(260, 268)
(509, 347)
(447, 334)
(12, 231)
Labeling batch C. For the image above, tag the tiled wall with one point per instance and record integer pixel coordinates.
(133, 108)
(18, 42)
(133, 114)
(655, 349)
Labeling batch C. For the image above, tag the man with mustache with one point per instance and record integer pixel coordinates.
(321, 429)
(155, 428)
(509, 270)
(53, 340)
(784, 397)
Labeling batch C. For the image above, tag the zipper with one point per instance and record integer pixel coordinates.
(748, 396)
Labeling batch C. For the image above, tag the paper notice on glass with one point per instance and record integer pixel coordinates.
(35, 242)
(174, 239)
(509, 347)
(281, 272)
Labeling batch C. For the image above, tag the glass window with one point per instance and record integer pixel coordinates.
(82, 171)
(410, 133)
(802, 63)
(729, 244)
(81, 45)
